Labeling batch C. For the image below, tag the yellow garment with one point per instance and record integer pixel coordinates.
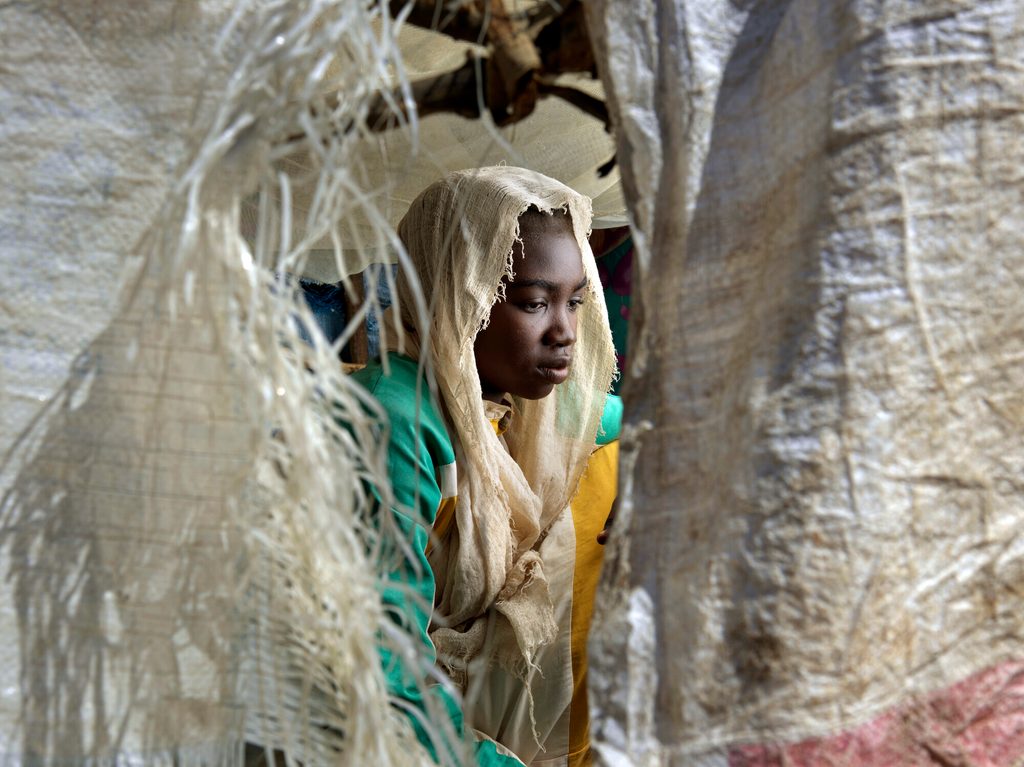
(567, 743)
(499, 415)
(590, 509)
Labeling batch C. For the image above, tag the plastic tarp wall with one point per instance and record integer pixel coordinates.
(185, 562)
(820, 556)
(95, 115)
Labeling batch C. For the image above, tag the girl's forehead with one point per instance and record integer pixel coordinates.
(552, 256)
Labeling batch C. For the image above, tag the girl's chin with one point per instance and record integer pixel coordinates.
(536, 392)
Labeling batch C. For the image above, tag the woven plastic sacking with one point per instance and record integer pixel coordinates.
(821, 559)
(187, 564)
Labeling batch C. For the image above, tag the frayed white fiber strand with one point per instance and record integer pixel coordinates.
(228, 594)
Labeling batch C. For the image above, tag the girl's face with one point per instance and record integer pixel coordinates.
(528, 346)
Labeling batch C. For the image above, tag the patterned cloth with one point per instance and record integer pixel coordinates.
(616, 271)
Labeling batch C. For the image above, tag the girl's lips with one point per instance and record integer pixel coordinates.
(555, 375)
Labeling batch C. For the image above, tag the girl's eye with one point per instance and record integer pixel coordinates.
(575, 304)
(533, 306)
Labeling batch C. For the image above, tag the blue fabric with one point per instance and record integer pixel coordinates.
(327, 303)
(375, 280)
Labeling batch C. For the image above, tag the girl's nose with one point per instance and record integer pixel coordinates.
(562, 330)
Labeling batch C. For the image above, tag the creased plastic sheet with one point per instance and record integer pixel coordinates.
(90, 104)
(183, 540)
(557, 139)
(820, 557)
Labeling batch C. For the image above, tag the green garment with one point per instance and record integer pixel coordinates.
(611, 420)
(416, 449)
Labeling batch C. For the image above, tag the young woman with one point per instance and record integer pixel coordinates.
(499, 483)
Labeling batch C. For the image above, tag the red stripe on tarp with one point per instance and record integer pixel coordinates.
(977, 722)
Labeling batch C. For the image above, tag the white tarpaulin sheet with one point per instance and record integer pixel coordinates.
(185, 555)
(822, 554)
(821, 501)
(184, 565)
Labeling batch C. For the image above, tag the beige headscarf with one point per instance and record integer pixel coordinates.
(459, 234)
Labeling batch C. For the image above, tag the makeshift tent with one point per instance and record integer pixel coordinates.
(188, 565)
(816, 558)
(820, 551)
